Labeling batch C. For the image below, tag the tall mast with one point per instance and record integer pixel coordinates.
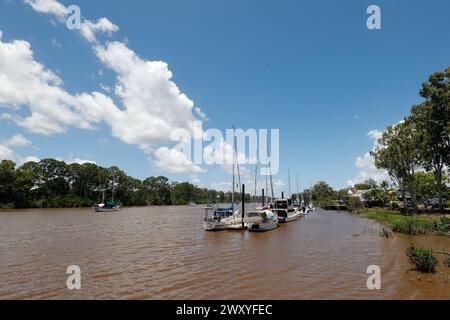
(233, 200)
(270, 170)
(232, 195)
(298, 193)
(289, 179)
(256, 183)
(236, 158)
(267, 191)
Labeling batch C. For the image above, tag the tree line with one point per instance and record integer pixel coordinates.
(55, 184)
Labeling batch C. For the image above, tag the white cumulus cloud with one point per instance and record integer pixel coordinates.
(174, 161)
(89, 29)
(48, 6)
(7, 147)
(366, 164)
(151, 106)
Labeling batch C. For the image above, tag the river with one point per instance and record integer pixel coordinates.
(163, 253)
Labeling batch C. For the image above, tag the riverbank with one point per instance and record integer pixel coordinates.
(413, 225)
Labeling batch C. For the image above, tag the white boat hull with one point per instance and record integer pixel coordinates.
(289, 218)
(262, 227)
(98, 209)
(235, 226)
(214, 226)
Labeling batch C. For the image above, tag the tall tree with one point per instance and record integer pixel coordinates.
(322, 193)
(397, 153)
(433, 120)
(7, 180)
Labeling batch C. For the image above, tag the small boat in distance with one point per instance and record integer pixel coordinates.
(109, 206)
(192, 204)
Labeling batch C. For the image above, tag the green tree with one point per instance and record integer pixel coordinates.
(7, 181)
(158, 190)
(367, 185)
(397, 153)
(52, 178)
(24, 184)
(432, 119)
(376, 198)
(322, 194)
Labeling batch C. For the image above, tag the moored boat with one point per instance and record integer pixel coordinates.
(107, 207)
(285, 211)
(215, 221)
(262, 221)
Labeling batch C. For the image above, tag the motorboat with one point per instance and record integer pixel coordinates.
(262, 221)
(285, 211)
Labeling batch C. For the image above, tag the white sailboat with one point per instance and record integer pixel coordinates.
(108, 206)
(226, 218)
(235, 221)
(212, 222)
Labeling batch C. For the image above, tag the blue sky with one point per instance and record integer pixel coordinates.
(310, 68)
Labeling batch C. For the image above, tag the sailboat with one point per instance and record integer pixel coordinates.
(235, 221)
(213, 222)
(225, 218)
(109, 206)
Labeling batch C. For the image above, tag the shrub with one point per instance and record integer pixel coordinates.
(442, 226)
(354, 204)
(422, 258)
(395, 205)
(376, 198)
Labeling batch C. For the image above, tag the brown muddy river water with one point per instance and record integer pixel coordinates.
(163, 253)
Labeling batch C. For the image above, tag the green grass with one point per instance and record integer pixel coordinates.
(399, 223)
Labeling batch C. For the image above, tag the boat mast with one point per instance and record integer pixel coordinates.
(256, 184)
(237, 160)
(270, 170)
(289, 179)
(232, 195)
(267, 191)
(234, 182)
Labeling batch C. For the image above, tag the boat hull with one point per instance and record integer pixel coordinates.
(97, 209)
(290, 218)
(214, 226)
(237, 226)
(262, 227)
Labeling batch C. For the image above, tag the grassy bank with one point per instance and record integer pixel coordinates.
(401, 223)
